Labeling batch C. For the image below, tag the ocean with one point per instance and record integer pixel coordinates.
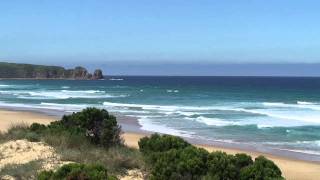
(281, 113)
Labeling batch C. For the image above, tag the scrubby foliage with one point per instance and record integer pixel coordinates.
(187, 163)
(158, 143)
(76, 171)
(262, 168)
(173, 158)
(100, 127)
(152, 147)
(97, 125)
(224, 166)
(72, 141)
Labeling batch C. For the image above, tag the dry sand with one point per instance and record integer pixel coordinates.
(9, 118)
(292, 169)
(23, 151)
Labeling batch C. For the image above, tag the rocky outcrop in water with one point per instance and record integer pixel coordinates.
(97, 74)
(30, 71)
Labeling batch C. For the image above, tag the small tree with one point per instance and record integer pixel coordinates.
(96, 124)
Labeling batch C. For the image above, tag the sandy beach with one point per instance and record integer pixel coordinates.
(9, 118)
(292, 169)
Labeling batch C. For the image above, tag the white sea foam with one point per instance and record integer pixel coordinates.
(62, 94)
(84, 91)
(65, 107)
(50, 106)
(116, 79)
(300, 105)
(148, 125)
(214, 121)
(165, 107)
(305, 103)
(279, 117)
(302, 151)
(172, 91)
(297, 145)
(308, 117)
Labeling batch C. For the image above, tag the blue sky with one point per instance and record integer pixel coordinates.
(159, 33)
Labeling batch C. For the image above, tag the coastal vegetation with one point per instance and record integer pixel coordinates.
(77, 171)
(90, 141)
(30, 71)
(171, 157)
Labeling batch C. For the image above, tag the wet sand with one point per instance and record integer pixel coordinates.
(291, 168)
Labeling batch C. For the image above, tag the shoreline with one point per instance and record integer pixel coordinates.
(130, 124)
(292, 168)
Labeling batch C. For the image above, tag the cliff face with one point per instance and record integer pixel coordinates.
(12, 70)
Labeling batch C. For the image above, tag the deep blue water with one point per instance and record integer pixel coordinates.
(283, 113)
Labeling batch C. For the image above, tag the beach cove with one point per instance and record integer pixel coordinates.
(291, 168)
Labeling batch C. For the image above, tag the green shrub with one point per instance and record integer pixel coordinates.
(261, 169)
(171, 157)
(38, 128)
(221, 166)
(224, 166)
(161, 143)
(242, 160)
(76, 172)
(100, 127)
(32, 137)
(187, 163)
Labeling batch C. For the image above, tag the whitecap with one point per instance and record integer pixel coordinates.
(305, 103)
(148, 125)
(214, 121)
(172, 91)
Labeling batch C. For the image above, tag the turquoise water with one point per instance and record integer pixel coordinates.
(282, 113)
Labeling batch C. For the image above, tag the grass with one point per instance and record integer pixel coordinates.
(16, 131)
(117, 159)
(21, 171)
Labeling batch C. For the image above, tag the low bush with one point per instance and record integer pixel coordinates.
(262, 168)
(76, 171)
(36, 127)
(223, 166)
(187, 163)
(151, 147)
(97, 125)
(173, 158)
(161, 143)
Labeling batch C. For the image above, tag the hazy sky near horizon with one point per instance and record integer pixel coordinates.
(159, 32)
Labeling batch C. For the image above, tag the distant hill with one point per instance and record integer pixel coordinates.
(30, 71)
